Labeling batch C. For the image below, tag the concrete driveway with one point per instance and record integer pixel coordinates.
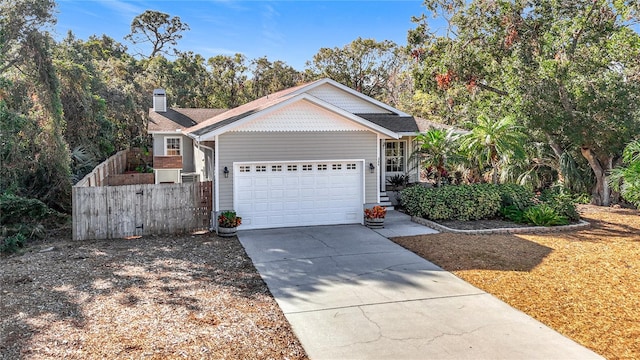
(350, 293)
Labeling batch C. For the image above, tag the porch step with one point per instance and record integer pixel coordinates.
(385, 201)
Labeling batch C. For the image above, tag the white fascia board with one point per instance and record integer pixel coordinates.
(167, 132)
(409, 133)
(353, 92)
(300, 97)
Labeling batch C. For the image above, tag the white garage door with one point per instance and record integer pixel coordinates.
(285, 194)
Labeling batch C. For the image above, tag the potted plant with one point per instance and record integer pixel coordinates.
(228, 223)
(374, 217)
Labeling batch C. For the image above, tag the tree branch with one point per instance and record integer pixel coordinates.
(492, 89)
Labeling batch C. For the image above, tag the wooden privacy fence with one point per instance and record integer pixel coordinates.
(135, 210)
(116, 164)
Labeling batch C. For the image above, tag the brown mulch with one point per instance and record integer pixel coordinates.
(480, 224)
(195, 297)
(585, 284)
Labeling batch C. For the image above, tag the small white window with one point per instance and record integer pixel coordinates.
(276, 167)
(292, 167)
(351, 166)
(245, 168)
(173, 146)
(261, 168)
(322, 166)
(307, 167)
(336, 166)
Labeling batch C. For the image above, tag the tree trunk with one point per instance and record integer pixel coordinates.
(558, 152)
(601, 193)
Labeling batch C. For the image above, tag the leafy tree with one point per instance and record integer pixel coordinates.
(568, 69)
(229, 76)
(364, 65)
(36, 160)
(189, 82)
(158, 29)
(269, 77)
(19, 21)
(84, 110)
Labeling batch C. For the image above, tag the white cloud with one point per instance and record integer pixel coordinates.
(123, 8)
(270, 32)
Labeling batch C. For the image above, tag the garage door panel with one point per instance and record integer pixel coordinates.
(297, 194)
(291, 205)
(259, 194)
(276, 181)
(322, 181)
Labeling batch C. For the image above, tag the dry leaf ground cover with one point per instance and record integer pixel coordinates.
(585, 284)
(194, 297)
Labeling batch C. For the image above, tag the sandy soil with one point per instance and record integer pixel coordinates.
(585, 284)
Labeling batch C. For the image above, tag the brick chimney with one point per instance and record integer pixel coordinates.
(159, 100)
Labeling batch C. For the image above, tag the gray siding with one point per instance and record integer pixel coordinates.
(187, 150)
(274, 146)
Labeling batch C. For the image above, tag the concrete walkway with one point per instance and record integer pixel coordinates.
(350, 293)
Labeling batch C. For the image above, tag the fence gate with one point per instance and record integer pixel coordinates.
(125, 211)
(134, 210)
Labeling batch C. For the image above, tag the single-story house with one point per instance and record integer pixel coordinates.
(315, 154)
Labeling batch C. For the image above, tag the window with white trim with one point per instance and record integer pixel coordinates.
(351, 166)
(307, 167)
(395, 154)
(292, 167)
(172, 146)
(322, 167)
(276, 168)
(245, 168)
(261, 168)
(336, 166)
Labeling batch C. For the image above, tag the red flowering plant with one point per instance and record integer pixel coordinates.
(229, 219)
(377, 212)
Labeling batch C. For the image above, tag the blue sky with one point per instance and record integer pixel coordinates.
(290, 31)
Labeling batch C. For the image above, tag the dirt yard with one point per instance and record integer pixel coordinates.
(585, 284)
(194, 297)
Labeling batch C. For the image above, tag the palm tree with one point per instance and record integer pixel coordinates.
(627, 179)
(437, 149)
(494, 143)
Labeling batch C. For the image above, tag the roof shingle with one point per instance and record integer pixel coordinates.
(179, 118)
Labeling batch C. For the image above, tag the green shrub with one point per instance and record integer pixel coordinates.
(544, 215)
(16, 209)
(516, 195)
(12, 243)
(413, 199)
(462, 202)
(558, 198)
(513, 213)
(22, 219)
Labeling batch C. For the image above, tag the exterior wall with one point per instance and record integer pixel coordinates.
(199, 161)
(167, 176)
(167, 162)
(292, 146)
(343, 100)
(130, 179)
(187, 149)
